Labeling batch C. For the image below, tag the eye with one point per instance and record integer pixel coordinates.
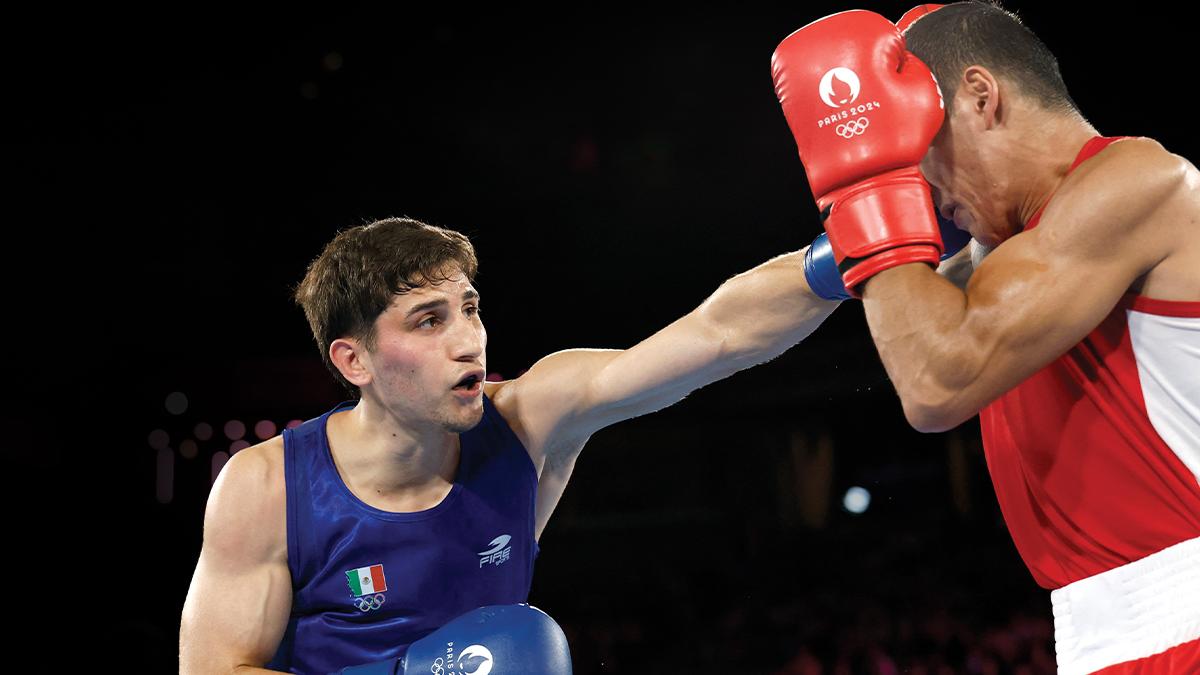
(472, 310)
(429, 322)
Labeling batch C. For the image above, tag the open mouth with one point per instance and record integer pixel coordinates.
(469, 383)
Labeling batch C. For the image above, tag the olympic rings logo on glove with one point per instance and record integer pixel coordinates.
(853, 128)
(438, 667)
(366, 604)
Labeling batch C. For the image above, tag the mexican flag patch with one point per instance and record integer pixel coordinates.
(366, 580)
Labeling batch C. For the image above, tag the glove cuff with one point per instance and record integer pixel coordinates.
(882, 222)
(865, 269)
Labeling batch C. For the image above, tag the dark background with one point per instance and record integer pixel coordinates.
(176, 171)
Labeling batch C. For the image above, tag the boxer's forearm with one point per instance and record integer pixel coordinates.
(251, 670)
(764, 311)
(917, 320)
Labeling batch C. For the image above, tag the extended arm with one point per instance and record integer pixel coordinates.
(751, 318)
(567, 396)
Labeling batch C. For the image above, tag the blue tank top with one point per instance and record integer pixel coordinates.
(367, 583)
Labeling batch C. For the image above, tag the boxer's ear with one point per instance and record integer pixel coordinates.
(982, 89)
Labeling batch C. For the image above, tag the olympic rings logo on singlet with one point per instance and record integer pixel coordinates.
(854, 127)
(368, 603)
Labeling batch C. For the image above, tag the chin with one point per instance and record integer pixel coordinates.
(988, 236)
(466, 422)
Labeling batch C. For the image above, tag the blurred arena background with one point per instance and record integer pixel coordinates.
(178, 167)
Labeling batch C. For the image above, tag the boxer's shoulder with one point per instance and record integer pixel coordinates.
(1120, 187)
(247, 508)
(1131, 163)
(1152, 187)
(262, 463)
(1131, 204)
(1169, 187)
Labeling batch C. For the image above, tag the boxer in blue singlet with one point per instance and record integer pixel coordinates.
(359, 532)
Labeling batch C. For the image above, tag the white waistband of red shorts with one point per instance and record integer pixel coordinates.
(1130, 612)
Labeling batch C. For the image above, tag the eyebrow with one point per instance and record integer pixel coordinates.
(467, 295)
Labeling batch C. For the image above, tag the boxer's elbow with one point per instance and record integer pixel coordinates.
(723, 341)
(932, 409)
(931, 419)
(942, 390)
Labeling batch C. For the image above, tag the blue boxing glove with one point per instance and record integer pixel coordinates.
(492, 640)
(825, 279)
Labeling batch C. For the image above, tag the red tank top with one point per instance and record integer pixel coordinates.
(1095, 457)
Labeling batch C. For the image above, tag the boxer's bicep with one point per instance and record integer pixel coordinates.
(238, 604)
(658, 371)
(1029, 303)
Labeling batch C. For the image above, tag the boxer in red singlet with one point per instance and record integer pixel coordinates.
(1072, 326)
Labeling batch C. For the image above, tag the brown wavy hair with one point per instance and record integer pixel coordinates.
(355, 277)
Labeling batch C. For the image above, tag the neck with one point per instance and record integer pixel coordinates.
(384, 458)
(1039, 158)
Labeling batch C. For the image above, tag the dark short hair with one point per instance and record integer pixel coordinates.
(354, 279)
(963, 34)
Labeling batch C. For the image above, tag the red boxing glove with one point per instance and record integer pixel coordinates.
(910, 17)
(863, 111)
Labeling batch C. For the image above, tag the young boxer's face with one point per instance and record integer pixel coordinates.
(428, 364)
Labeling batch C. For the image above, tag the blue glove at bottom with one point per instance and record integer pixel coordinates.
(492, 640)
